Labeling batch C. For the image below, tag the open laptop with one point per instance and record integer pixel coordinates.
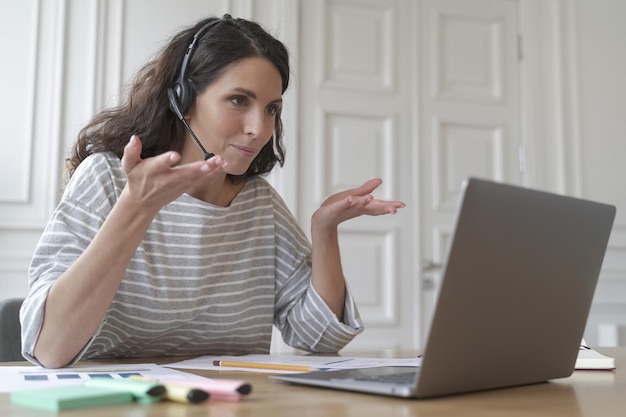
(520, 274)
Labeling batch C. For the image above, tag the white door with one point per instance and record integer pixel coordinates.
(356, 83)
(421, 94)
(469, 115)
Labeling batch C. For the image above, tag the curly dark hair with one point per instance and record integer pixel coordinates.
(146, 111)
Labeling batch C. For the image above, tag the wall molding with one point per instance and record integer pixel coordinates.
(40, 171)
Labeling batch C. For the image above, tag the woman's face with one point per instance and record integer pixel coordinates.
(235, 115)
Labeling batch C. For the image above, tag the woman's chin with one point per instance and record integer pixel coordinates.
(236, 171)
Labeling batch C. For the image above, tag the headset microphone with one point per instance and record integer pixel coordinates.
(181, 95)
(179, 114)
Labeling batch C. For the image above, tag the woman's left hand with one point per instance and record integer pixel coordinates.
(353, 203)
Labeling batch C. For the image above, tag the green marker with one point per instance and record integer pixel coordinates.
(143, 391)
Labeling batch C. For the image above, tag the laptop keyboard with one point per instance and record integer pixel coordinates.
(400, 378)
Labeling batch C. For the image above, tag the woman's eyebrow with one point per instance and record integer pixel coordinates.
(251, 94)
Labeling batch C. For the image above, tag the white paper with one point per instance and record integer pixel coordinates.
(587, 359)
(16, 378)
(317, 362)
(593, 360)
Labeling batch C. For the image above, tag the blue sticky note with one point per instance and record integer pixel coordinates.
(100, 376)
(37, 377)
(68, 376)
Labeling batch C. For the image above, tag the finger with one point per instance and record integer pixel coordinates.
(360, 201)
(132, 154)
(368, 186)
(378, 207)
(216, 162)
(165, 160)
(362, 190)
(370, 206)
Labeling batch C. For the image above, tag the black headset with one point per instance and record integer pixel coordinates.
(181, 95)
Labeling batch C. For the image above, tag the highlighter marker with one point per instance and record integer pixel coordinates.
(218, 389)
(145, 391)
(178, 392)
(183, 394)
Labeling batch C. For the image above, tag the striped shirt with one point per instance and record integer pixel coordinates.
(204, 280)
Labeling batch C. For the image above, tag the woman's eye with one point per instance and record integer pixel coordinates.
(272, 110)
(238, 100)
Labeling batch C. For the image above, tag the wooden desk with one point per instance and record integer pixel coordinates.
(586, 393)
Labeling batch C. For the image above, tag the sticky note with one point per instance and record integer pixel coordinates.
(75, 396)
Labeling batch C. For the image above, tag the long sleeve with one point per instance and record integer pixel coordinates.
(87, 200)
(302, 316)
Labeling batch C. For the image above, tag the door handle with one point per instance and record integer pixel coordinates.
(429, 266)
(428, 281)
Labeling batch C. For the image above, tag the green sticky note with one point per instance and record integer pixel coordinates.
(74, 396)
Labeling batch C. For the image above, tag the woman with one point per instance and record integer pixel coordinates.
(159, 247)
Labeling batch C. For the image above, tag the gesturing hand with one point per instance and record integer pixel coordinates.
(154, 182)
(353, 203)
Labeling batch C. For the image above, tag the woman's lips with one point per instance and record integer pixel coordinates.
(245, 151)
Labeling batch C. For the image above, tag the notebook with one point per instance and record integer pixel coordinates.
(516, 289)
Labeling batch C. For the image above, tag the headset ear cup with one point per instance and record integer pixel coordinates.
(183, 96)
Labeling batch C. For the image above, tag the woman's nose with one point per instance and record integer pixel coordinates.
(257, 123)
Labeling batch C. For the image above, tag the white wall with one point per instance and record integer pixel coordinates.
(29, 116)
(600, 41)
(65, 59)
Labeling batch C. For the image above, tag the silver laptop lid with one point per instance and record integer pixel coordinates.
(516, 291)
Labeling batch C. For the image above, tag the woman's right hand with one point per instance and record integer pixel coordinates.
(80, 297)
(156, 181)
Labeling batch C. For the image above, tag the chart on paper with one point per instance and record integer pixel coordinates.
(14, 378)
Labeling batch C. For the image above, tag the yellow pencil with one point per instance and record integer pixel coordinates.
(267, 366)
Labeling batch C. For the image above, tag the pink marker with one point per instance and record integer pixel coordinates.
(218, 389)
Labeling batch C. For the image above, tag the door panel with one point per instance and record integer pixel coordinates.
(355, 124)
(421, 94)
(469, 114)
